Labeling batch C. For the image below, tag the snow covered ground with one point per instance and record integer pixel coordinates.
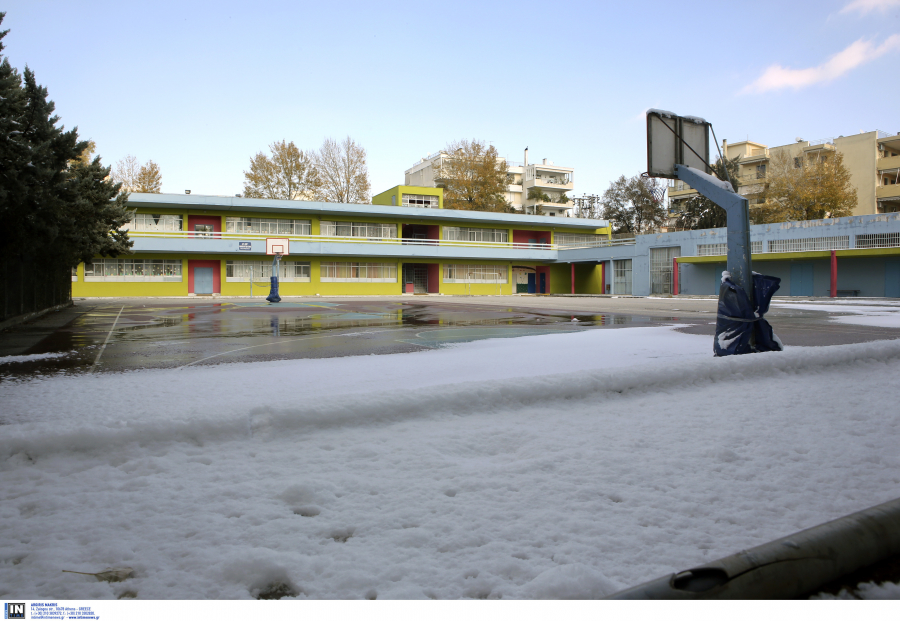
(564, 465)
(31, 357)
(883, 314)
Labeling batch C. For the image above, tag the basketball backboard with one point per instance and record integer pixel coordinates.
(277, 245)
(673, 139)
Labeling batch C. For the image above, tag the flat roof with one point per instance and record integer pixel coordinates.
(268, 205)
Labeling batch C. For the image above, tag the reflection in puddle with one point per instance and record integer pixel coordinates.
(148, 336)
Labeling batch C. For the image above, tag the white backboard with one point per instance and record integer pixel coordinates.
(277, 245)
(673, 139)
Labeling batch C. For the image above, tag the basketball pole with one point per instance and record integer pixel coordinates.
(737, 210)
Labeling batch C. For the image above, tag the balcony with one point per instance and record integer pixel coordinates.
(888, 191)
(888, 162)
(685, 190)
(321, 245)
(819, 145)
(551, 183)
(755, 155)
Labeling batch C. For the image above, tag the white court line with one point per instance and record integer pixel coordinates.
(100, 353)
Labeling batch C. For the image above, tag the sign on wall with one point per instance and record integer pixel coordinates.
(243, 245)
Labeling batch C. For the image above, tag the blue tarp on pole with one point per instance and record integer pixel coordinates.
(273, 294)
(740, 327)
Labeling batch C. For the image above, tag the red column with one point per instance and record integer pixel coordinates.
(573, 278)
(675, 276)
(833, 274)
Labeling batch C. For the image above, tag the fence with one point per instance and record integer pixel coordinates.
(30, 286)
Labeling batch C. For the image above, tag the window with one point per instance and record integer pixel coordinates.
(622, 276)
(267, 226)
(133, 270)
(661, 268)
(797, 162)
(370, 230)
(878, 240)
(288, 271)
(459, 233)
(712, 250)
(155, 222)
(580, 240)
(75, 274)
(761, 171)
(358, 272)
(807, 244)
(475, 274)
(421, 200)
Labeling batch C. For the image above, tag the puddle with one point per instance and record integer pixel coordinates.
(166, 336)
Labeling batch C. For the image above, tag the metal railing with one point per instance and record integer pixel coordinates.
(405, 241)
(600, 243)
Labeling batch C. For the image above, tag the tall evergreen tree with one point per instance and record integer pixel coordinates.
(53, 208)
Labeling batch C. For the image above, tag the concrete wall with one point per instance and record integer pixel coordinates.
(863, 273)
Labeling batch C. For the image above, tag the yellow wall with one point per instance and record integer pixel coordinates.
(589, 278)
(82, 289)
(398, 191)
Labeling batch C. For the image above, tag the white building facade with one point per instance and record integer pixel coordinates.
(547, 183)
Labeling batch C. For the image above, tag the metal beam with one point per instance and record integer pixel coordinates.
(737, 208)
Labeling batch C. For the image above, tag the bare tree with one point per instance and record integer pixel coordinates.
(342, 170)
(631, 207)
(136, 177)
(126, 173)
(289, 174)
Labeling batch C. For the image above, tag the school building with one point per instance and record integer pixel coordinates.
(858, 256)
(194, 245)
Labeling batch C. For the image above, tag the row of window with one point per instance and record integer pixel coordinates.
(370, 230)
(268, 226)
(155, 270)
(475, 273)
(245, 271)
(421, 200)
(133, 270)
(460, 233)
(580, 240)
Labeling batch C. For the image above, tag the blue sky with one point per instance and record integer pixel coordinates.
(199, 87)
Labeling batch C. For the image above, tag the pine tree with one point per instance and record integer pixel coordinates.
(54, 209)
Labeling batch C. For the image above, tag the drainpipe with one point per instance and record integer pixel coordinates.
(833, 274)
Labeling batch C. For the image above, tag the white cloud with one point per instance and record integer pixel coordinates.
(867, 6)
(858, 53)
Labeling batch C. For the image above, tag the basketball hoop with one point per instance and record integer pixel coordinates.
(658, 192)
(277, 247)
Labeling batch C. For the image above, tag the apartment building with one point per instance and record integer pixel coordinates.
(872, 159)
(547, 183)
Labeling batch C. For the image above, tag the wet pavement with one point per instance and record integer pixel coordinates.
(103, 335)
